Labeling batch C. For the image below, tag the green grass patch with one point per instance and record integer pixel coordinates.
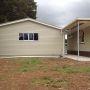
(29, 64)
(42, 81)
(50, 82)
(33, 64)
(72, 69)
(29, 61)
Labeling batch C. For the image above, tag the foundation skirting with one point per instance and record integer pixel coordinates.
(82, 53)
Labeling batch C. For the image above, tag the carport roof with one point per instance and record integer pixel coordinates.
(28, 19)
(83, 22)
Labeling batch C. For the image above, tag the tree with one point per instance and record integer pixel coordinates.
(17, 9)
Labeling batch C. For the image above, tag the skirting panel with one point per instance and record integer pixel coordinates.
(82, 53)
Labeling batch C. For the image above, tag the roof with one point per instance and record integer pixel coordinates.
(73, 24)
(28, 19)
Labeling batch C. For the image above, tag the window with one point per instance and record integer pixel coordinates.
(82, 39)
(21, 36)
(82, 36)
(25, 36)
(35, 36)
(28, 36)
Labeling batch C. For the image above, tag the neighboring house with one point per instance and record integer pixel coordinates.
(28, 37)
(79, 37)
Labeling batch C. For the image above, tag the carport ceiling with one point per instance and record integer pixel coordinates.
(83, 23)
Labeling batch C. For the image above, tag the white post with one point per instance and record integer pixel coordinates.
(64, 44)
(78, 41)
(63, 40)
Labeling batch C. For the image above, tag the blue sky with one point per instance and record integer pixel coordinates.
(61, 12)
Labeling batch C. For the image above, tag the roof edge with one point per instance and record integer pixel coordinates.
(28, 19)
(75, 20)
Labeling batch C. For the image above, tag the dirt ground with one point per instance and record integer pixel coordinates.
(44, 74)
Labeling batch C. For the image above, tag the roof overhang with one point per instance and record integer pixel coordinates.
(83, 23)
(29, 19)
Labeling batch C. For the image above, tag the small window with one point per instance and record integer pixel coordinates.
(25, 36)
(21, 36)
(35, 36)
(30, 36)
(82, 37)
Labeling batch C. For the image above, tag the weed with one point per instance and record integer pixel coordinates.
(50, 82)
(72, 69)
(29, 64)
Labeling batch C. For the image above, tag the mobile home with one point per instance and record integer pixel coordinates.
(28, 37)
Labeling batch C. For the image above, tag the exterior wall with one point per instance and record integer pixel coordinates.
(50, 40)
(72, 42)
(84, 47)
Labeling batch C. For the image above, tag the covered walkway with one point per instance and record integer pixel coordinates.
(78, 39)
(79, 58)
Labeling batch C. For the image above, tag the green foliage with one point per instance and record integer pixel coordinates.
(72, 69)
(42, 81)
(35, 61)
(17, 9)
(50, 82)
(33, 64)
(29, 64)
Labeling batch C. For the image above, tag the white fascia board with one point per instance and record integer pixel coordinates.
(28, 19)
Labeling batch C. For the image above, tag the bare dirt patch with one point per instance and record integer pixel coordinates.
(44, 74)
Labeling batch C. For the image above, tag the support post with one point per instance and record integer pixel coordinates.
(78, 40)
(64, 44)
(63, 40)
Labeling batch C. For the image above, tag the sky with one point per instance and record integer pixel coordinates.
(62, 12)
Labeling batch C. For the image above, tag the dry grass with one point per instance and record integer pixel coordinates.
(44, 74)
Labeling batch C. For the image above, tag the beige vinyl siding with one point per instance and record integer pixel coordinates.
(50, 40)
(86, 45)
(72, 42)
